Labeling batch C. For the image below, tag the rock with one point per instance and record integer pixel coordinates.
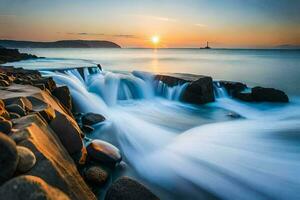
(87, 128)
(233, 88)
(30, 188)
(48, 82)
(234, 115)
(16, 109)
(15, 100)
(64, 96)
(26, 159)
(199, 92)
(8, 158)
(126, 188)
(40, 85)
(96, 175)
(67, 132)
(5, 126)
(92, 118)
(261, 94)
(104, 152)
(14, 115)
(4, 83)
(244, 96)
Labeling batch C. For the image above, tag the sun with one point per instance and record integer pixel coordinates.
(155, 39)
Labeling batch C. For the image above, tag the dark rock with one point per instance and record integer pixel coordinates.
(40, 85)
(104, 152)
(13, 115)
(5, 126)
(126, 188)
(261, 94)
(12, 55)
(16, 109)
(96, 175)
(30, 188)
(64, 96)
(87, 128)
(48, 82)
(15, 100)
(67, 132)
(200, 91)
(92, 118)
(26, 159)
(244, 96)
(233, 88)
(8, 158)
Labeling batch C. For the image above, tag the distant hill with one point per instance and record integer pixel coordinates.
(59, 44)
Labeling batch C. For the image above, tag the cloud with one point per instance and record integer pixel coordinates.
(201, 25)
(84, 33)
(103, 34)
(158, 18)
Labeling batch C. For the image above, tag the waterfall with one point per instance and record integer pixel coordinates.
(219, 91)
(193, 151)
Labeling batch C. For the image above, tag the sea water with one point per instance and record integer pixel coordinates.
(184, 151)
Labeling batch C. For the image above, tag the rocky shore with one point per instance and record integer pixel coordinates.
(44, 154)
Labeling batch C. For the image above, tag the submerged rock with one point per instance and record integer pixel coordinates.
(8, 158)
(96, 175)
(92, 118)
(30, 188)
(26, 159)
(126, 188)
(104, 152)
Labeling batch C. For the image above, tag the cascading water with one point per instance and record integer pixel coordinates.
(190, 152)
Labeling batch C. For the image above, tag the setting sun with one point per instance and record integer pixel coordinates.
(155, 39)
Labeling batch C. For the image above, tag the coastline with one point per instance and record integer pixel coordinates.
(40, 117)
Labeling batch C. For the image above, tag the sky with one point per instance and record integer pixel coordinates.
(132, 23)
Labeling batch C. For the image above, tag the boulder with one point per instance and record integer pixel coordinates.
(5, 126)
(126, 188)
(26, 159)
(15, 108)
(199, 88)
(92, 118)
(47, 81)
(96, 175)
(87, 128)
(199, 91)
(30, 188)
(15, 100)
(64, 96)
(8, 158)
(67, 132)
(261, 94)
(104, 152)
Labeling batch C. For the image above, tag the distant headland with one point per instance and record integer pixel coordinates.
(59, 44)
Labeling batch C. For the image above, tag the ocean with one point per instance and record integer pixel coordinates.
(184, 151)
(268, 68)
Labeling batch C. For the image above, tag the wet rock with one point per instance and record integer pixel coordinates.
(8, 158)
(87, 128)
(26, 159)
(30, 188)
(64, 96)
(5, 126)
(92, 118)
(232, 87)
(96, 175)
(126, 188)
(14, 115)
(16, 109)
(104, 152)
(40, 85)
(261, 94)
(48, 82)
(244, 96)
(67, 132)
(15, 100)
(234, 115)
(200, 91)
